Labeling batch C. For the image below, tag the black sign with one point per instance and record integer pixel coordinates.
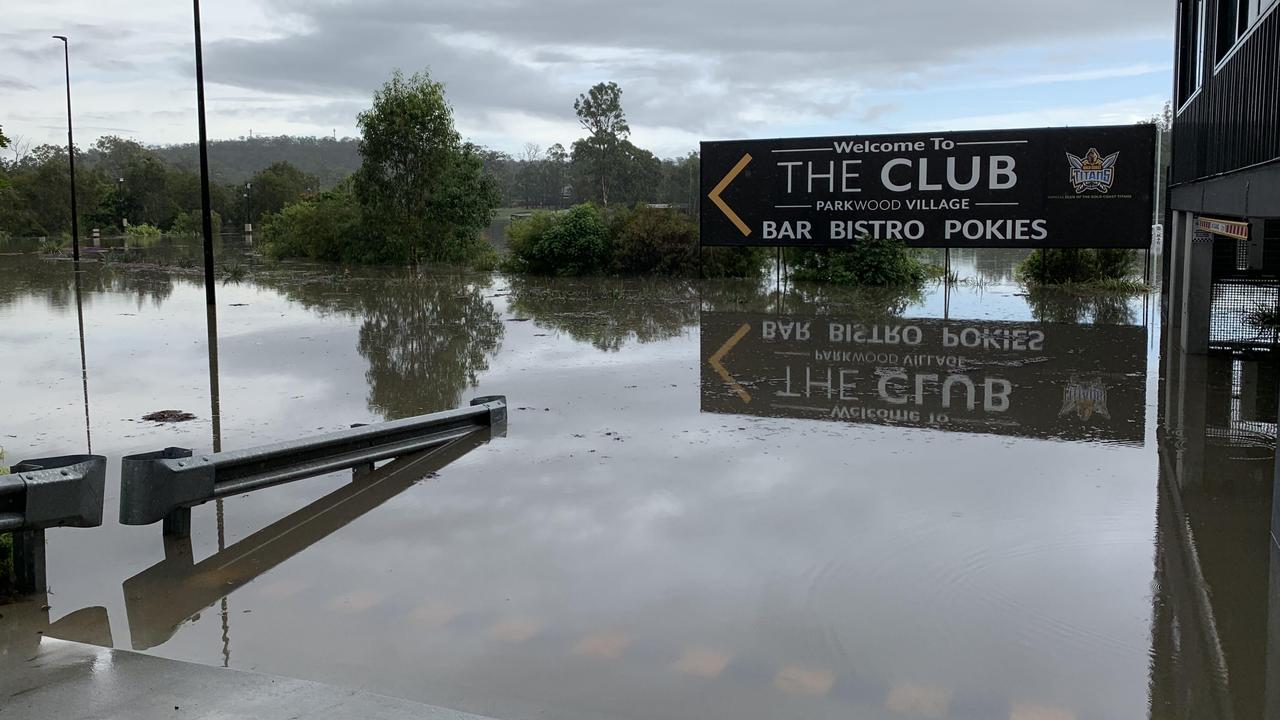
(1054, 187)
(1070, 382)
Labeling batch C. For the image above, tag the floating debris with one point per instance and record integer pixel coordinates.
(169, 416)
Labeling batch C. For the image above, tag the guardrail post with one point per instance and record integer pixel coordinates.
(360, 471)
(177, 524)
(29, 561)
(49, 492)
(497, 413)
(135, 468)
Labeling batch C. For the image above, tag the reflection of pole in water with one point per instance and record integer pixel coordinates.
(215, 413)
(84, 372)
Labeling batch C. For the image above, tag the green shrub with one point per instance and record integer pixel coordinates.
(870, 262)
(143, 232)
(661, 241)
(50, 246)
(653, 241)
(190, 223)
(1076, 266)
(486, 259)
(734, 262)
(574, 242)
(328, 226)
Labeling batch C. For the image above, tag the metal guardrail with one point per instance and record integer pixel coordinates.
(165, 485)
(63, 491)
(161, 598)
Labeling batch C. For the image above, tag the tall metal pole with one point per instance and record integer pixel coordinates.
(206, 218)
(84, 369)
(71, 151)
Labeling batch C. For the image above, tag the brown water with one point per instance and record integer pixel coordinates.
(1081, 528)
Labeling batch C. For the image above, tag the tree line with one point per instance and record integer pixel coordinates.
(121, 182)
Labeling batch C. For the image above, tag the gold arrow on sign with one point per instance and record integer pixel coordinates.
(719, 201)
(717, 361)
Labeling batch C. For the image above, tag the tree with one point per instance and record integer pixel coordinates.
(278, 186)
(1163, 122)
(427, 194)
(600, 114)
(4, 143)
(556, 178)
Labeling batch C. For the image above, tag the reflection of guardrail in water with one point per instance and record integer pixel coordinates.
(165, 485)
(162, 597)
(51, 492)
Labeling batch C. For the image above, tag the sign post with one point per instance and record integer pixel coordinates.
(1088, 187)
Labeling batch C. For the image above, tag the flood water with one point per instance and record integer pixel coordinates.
(713, 500)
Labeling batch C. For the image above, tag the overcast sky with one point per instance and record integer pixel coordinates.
(689, 69)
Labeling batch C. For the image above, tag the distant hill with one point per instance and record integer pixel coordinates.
(235, 161)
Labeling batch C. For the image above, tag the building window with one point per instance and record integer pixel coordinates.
(1235, 18)
(1191, 40)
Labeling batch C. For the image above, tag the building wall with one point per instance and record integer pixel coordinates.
(1234, 120)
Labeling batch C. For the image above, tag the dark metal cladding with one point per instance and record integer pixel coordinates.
(1233, 121)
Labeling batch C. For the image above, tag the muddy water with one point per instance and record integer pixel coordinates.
(1081, 529)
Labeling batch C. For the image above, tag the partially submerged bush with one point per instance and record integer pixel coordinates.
(654, 241)
(1079, 266)
(870, 262)
(143, 232)
(325, 227)
(661, 241)
(575, 242)
(191, 223)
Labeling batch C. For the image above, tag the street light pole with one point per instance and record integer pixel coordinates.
(71, 151)
(248, 208)
(206, 217)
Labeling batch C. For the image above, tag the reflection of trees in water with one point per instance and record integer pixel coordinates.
(987, 266)
(607, 312)
(426, 337)
(426, 340)
(851, 302)
(53, 282)
(1054, 305)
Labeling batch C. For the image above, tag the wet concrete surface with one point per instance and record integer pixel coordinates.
(71, 680)
(640, 547)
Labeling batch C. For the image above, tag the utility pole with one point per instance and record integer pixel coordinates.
(206, 217)
(71, 151)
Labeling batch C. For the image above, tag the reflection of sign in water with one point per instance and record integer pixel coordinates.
(1079, 382)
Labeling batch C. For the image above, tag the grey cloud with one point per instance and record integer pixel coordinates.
(14, 84)
(358, 56)
(698, 66)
